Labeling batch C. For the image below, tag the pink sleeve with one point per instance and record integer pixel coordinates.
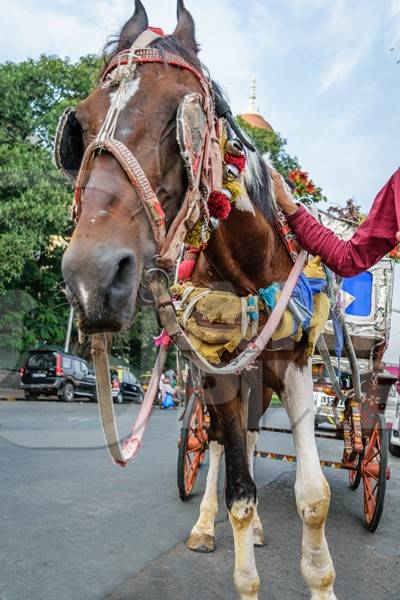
(372, 240)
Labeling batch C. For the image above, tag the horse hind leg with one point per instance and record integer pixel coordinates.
(258, 531)
(311, 488)
(202, 535)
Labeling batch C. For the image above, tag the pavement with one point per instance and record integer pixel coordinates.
(75, 527)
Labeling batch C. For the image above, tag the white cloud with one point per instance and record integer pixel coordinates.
(350, 33)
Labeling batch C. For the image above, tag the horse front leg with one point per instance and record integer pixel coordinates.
(202, 535)
(241, 500)
(258, 531)
(311, 488)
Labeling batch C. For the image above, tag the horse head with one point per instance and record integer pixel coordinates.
(113, 240)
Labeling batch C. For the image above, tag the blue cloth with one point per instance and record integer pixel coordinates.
(269, 295)
(302, 301)
(168, 401)
(303, 297)
(339, 339)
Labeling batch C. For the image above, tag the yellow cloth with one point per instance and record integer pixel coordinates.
(215, 324)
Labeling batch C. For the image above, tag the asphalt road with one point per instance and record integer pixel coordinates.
(75, 527)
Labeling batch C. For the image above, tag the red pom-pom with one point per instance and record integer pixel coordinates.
(238, 161)
(219, 205)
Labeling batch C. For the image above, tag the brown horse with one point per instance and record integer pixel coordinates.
(113, 244)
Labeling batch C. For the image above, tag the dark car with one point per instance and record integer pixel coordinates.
(125, 386)
(51, 372)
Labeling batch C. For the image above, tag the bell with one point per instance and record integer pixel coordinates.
(214, 223)
(234, 146)
(231, 172)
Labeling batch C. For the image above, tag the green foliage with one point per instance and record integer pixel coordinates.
(34, 197)
(274, 144)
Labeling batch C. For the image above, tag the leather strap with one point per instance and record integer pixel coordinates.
(136, 176)
(122, 454)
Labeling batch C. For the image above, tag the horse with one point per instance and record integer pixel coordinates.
(114, 244)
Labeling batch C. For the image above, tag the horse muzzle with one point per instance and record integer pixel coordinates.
(102, 284)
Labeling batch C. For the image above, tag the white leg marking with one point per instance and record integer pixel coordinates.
(202, 536)
(312, 489)
(246, 578)
(258, 533)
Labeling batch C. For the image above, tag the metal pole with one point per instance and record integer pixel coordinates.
(69, 330)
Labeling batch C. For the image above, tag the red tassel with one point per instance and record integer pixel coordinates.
(157, 30)
(186, 269)
(219, 205)
(188, 264)
(238, 161)
(163, 340)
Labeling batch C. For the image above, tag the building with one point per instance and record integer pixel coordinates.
(253, 116)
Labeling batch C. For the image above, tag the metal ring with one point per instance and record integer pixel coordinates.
(144, 284)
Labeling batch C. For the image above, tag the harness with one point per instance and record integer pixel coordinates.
(202, 155)
(204, 166)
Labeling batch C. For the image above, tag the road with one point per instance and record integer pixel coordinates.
(75, 527)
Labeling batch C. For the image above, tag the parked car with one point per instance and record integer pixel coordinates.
(394, 441)
(125, 386)
(52, 372)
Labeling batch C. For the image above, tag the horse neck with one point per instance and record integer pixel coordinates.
(245, 254)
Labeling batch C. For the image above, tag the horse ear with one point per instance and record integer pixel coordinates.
(136, 25)
(185, 30)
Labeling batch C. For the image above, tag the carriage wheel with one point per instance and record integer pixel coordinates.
(192, 446)
(375, 472)
(355, 476)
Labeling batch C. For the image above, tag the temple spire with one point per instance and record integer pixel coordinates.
(253, 116)
(253, 97)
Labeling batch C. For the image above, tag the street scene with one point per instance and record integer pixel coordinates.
(199, 300)
(74, 527)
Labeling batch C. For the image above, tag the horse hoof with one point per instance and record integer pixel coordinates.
(258, 537)
(201, 542)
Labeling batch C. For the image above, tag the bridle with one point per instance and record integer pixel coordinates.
(209, 172)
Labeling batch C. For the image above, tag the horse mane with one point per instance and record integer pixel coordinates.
(257, 179)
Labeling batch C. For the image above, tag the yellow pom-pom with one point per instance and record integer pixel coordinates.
(235, 188)
(198, 236)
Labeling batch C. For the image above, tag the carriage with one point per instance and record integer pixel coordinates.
(360, 423)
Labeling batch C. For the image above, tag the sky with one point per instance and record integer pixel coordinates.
(327, 74)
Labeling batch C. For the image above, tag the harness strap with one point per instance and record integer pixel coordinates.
(122, 454)
(136, 176)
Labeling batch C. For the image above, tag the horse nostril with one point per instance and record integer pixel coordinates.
(124, 275)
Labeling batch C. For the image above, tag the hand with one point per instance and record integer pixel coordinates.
(398, 236)
(282, 193)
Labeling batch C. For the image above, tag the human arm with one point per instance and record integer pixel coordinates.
(376, 236)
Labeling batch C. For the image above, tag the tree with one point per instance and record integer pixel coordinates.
(273, 144)
(35, 201)
(34, 197)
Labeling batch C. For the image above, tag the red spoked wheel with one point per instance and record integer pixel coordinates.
(192, 445)
(355, 476)
(375, 472)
